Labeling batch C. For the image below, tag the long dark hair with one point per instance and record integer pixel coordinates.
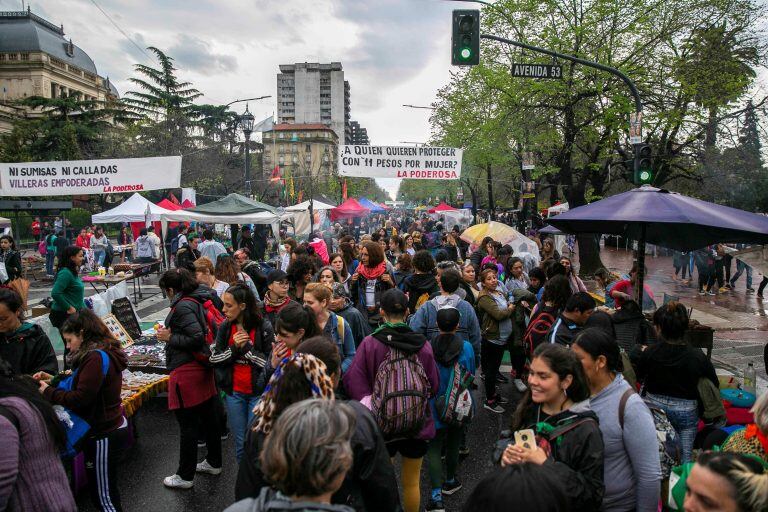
(251, 315)
(95, 334)
(10, 239)
(347, 248)
(557, 290)
(295, 316)
(12, 301)
(21, 386)
(563, 362)
(66, 259)
(596, 342)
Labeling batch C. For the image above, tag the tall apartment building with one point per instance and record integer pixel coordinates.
(312, 93)
(358, 134)
(37, 60)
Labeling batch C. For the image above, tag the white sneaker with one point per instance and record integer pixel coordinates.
(176, 482)
(204, 467)
(520, 385)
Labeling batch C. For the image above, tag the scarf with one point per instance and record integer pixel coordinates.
(320, 384)
(270, 305)
(751, 431)
(371, 273)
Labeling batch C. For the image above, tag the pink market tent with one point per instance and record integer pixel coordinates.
(165, 203)
(442, 207)
(349, 209)
(187, 204)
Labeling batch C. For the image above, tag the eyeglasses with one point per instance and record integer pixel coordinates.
(281, 283)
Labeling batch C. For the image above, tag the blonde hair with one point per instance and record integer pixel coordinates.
(319, 291)
(204, 265)
(747, 474)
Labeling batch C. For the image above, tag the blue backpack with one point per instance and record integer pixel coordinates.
(75, 427)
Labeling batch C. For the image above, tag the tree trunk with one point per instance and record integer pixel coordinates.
(589, 246)
(491, 205)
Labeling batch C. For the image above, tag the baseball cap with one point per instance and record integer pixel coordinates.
(394, 302)
(276, 275)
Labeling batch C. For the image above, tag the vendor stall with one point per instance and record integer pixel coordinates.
(349, 209)
(300, 212)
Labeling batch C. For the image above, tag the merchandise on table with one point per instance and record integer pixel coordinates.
(146, 352)
(139, 386)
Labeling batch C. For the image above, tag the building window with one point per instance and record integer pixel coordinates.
(308, 148)
(2, 56)
(282, 160)
(13, 56)
(53, 90)
(24, 56)
(280, 135)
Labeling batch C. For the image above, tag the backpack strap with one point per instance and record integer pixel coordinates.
(340, 327)
(560, 431)
(623, 405)
(104, 361)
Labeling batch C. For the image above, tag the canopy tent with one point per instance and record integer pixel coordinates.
(349, 209)
(134, 209)
(316, 206)
(665, 218)
(557, 209)
(187, 204)
(169, 205)
(5, 223)
(373, 207)
(233, 204)
(550, 230)
(442, 207)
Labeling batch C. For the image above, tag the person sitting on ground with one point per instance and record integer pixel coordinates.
(23, 345)
(525, 486)
(31, 474)
(422, 284)
(210, 247)
(370, 484)
(556, 408)
(571, 321)
(632, 472)
(425, 319)
(726, 481)
(360, 381)
(342, 305)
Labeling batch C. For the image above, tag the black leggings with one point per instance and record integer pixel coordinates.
(102, 455)
(203, 416)
(703, 277)
(762, 285)
(491, 357)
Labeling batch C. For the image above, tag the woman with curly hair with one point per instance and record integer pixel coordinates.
(300, 273)
(228, 271)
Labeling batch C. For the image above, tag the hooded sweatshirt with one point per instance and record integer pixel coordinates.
(95, 397)
(424, 320)
(450, 349)
(360, 327)
(417, 285)
(361, 375)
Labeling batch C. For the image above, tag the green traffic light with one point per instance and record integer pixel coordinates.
(466, 53)
(645, 176)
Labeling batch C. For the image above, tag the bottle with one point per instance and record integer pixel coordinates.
(750, 377)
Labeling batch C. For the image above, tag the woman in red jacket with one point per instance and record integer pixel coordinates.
(97, 364)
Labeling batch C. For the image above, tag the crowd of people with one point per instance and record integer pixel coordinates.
(358, 347)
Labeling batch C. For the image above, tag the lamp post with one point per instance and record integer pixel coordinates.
(246, 124)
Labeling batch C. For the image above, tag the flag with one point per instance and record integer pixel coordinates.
(264, 126)
(290, 187)
(344, 190)
(301, 196)
(275, 174)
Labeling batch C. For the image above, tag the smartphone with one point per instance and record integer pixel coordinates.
(526, 438)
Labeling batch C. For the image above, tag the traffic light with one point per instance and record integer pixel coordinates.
(643, 164)
(465, 42)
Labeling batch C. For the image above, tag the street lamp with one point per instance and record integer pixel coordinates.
(246, 124)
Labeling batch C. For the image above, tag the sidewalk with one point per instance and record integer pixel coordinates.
(740, 320)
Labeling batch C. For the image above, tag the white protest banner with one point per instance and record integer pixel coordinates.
(422, 162)
(75, 177)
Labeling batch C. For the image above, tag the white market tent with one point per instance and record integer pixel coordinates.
(5, 223)
(557, 209)
(316, 206)
(134, 209)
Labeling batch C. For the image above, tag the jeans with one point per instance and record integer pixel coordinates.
(49, 257)
(684, 416)
(206, 417)
(98, 257)
(240, 413)
(740, 267)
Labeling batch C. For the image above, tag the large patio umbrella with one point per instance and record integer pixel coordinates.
(665, 218)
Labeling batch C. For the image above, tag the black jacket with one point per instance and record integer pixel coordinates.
(416, 286)
(370, 485)
(224, 357)
(28, 350)
(186, 321)
(186, 256)
(357, 291)
(12, 261)
(577, 455)
(357, 322)
(258, 277)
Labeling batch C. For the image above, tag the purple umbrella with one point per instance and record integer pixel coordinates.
(665, 218)
(550, 230)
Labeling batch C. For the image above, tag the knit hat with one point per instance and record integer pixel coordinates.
(339, 290)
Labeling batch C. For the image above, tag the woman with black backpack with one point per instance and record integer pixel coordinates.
(568, 440)
(192, 392)
(242, 347)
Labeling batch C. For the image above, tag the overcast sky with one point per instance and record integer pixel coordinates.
(393, 51)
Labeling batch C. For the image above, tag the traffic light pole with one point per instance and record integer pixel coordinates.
(638, 110)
